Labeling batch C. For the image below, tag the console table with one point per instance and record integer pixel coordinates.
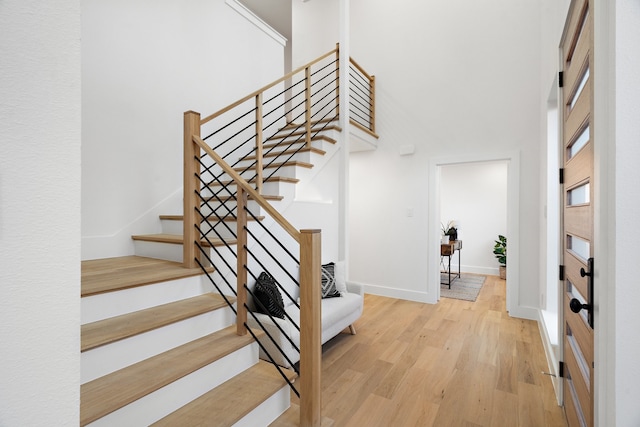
(448, 250)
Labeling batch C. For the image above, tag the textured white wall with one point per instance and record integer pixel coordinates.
(475, 195)
(143, 64)
(39, 212)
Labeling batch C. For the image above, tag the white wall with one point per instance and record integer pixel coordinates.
(143, 64)
(452, 78)
(40, 213)
(475, 196)
(624, 344)
(316, 29)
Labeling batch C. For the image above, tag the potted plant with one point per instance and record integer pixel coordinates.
(450, 230)
(500, 251)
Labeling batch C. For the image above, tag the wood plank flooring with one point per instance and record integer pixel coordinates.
(456, 363)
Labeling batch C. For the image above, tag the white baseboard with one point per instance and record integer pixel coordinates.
(487, 271)
(405, 294)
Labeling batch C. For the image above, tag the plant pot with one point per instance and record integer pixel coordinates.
(503, 272)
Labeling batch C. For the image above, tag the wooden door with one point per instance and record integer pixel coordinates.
(577, 229)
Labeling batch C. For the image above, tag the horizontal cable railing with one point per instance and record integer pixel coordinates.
(239, 254)
(229, 225)
(260, 133)
(362, 96)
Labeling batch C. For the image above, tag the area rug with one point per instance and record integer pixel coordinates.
(467, 287)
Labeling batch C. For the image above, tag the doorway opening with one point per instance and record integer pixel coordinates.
(464, 165)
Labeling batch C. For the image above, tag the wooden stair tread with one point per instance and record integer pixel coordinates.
(284, 138)
(276, 165)
(226, 219)
(229, 402)
(314, 123)
(111, 274)
(127, 325)
(269, 179)
(289, 152)
(111, 392)
(177, 239)
(291, 418)
(233, 199)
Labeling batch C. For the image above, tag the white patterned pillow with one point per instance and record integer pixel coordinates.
(341, 278)
(329, 289)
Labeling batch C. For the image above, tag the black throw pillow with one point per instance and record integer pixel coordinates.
(268, 296)
(329, 289)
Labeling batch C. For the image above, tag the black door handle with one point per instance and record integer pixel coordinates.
(575, 305)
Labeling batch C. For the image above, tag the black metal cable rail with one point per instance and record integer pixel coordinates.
(277, 124)
(360, 100)
(240, 125)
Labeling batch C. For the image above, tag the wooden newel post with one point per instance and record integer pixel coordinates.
(241, 317)
(310, 327)
(191, 185)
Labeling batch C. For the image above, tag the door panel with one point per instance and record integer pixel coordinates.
(581, 166)
(577, 228)
(572, 268)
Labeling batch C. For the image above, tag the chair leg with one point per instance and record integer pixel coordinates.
(352, 329)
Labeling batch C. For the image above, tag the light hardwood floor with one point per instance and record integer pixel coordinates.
(456, 363)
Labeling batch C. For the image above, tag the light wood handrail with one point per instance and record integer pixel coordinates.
(355, 64)
(255, 196)
(363, 128)
(269, 86)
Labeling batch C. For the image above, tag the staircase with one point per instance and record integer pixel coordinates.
(158, 342)
(164, 343)
(157, 347)
(294, 165)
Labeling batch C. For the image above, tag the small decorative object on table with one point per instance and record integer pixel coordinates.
(450, 230)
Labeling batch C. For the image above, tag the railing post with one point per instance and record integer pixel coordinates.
(372, 102)
(259, 143)
(307, 113)
(310, 329)
(191, 187)
(241, 317)
(337, 79)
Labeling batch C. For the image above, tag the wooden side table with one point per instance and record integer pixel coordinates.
(448, 250)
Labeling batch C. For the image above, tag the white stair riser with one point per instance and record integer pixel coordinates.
(274, 188)
(269, 410)
(320, 144)
(174, 226)
(108, 358)
(161, 403)
(223, 231)
(304, 156)
(213, 203)
(283, 171)
(111, 304)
